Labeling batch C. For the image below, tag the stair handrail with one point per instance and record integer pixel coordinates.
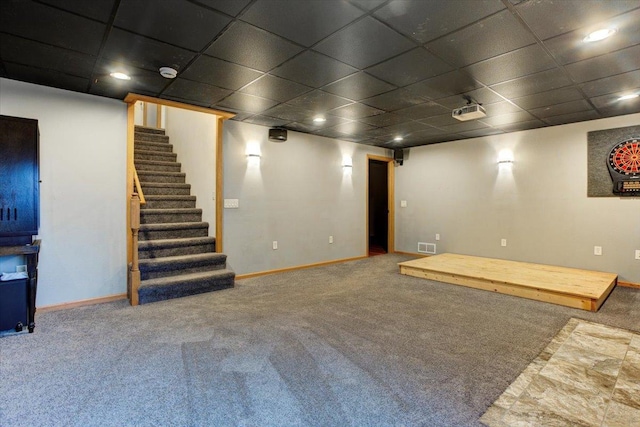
(138, 187)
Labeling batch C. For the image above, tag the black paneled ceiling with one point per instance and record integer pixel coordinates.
(375, 69)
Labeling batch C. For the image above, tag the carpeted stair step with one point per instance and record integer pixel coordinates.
(161, 156)
(153, 146)
(174, 247)
(151, 176)
(169, 202)
(165, 188)
(144, 129)
(150, 137)
(157, 166)
(152, 268)
(184, 285)
(163, 216)
(174, 230)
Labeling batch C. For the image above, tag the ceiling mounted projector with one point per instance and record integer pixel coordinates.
(469, 112)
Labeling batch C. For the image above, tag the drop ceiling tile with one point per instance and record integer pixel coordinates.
(380, 134)
(516, 127)
(266, 121)
(495, 35)
(551, 97)
(275, 88)
(569, 47)
(142, 81)
(94, 9)
(499, 108)
(301, 127)
(386, 119)
(617, 109)
(358, 86)
(504, 119)
(572, 118)
(607, 65)
(188, 90)
(289, 112)
(40, 55)
(313, 69)
(242, 102)
(394, 100)
(428, 20)
(318, 101)
(464, 126)
(518, 63)
(410, 67)
(46, 77)
(368, 4)
(622, 82)
(440, 120)
(239, 117)
(186, 101)
(423, 134)
(189, 26)
(142, 52)
(220, 73)
(611, 101)
(252, 47)
(51, 26)
(351, 128)
(407, 128)
(559, 109)
(422, 111)
(551, 18)
(535, 83)
(364, 43)
(481, 132)
(355, 111)
(330, 121)
(230, 7)
(482, 95)
(304, 22)
(446, 85)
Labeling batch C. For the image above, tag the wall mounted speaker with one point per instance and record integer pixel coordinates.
(398, 156)
(277, 135)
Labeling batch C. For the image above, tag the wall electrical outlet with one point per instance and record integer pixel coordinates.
(330, 239)
(23, 268)
(437, 236)
(503, 242)
(403, 203)
(275, 244)
(231, 203)
(637, 253)
(597, 250)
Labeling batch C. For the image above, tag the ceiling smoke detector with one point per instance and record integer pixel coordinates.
(168, 72)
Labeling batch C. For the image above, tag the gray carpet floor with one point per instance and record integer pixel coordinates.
(352, 344)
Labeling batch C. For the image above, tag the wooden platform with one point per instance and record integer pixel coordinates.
(570, 287)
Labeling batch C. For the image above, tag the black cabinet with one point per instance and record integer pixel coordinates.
(14, 305)
(19, 180)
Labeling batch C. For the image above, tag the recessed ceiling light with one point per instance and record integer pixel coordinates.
(630, 96)
(398, 138)
(599, 35)
(120, 76)
(168, 72)
(319, 120)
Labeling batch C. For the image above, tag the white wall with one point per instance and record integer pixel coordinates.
(539, 204)
(193, 136)
(297, 195)
(83, 189)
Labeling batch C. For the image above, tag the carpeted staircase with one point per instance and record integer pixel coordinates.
(177, 258)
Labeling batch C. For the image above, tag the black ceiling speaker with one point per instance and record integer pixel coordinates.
(398, 156)
(277, 135)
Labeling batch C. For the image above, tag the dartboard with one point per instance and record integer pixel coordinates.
(624, 158)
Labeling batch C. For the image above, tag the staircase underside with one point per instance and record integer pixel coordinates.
(177, 258)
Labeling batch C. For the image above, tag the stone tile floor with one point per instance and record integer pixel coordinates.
(589, 375)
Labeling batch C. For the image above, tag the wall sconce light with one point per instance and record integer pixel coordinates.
(253, 153)
(347, 163)
(505, 157)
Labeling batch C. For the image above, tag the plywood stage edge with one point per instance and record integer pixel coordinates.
(571, 287)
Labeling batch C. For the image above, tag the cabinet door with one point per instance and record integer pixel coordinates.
(19, 201)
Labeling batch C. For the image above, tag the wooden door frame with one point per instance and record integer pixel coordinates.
(221, 116)
(391, 244)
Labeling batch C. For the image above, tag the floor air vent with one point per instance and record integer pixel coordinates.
(427, 248)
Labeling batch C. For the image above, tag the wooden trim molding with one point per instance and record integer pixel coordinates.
(416, 254)
(628, 284)
(81, 303)
(130, 172)
(299, 267)
(131, 98)
(219, 185)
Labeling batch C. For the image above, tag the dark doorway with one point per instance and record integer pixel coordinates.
(378, 207)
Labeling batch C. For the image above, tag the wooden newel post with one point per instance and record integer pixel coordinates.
(135, 227)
